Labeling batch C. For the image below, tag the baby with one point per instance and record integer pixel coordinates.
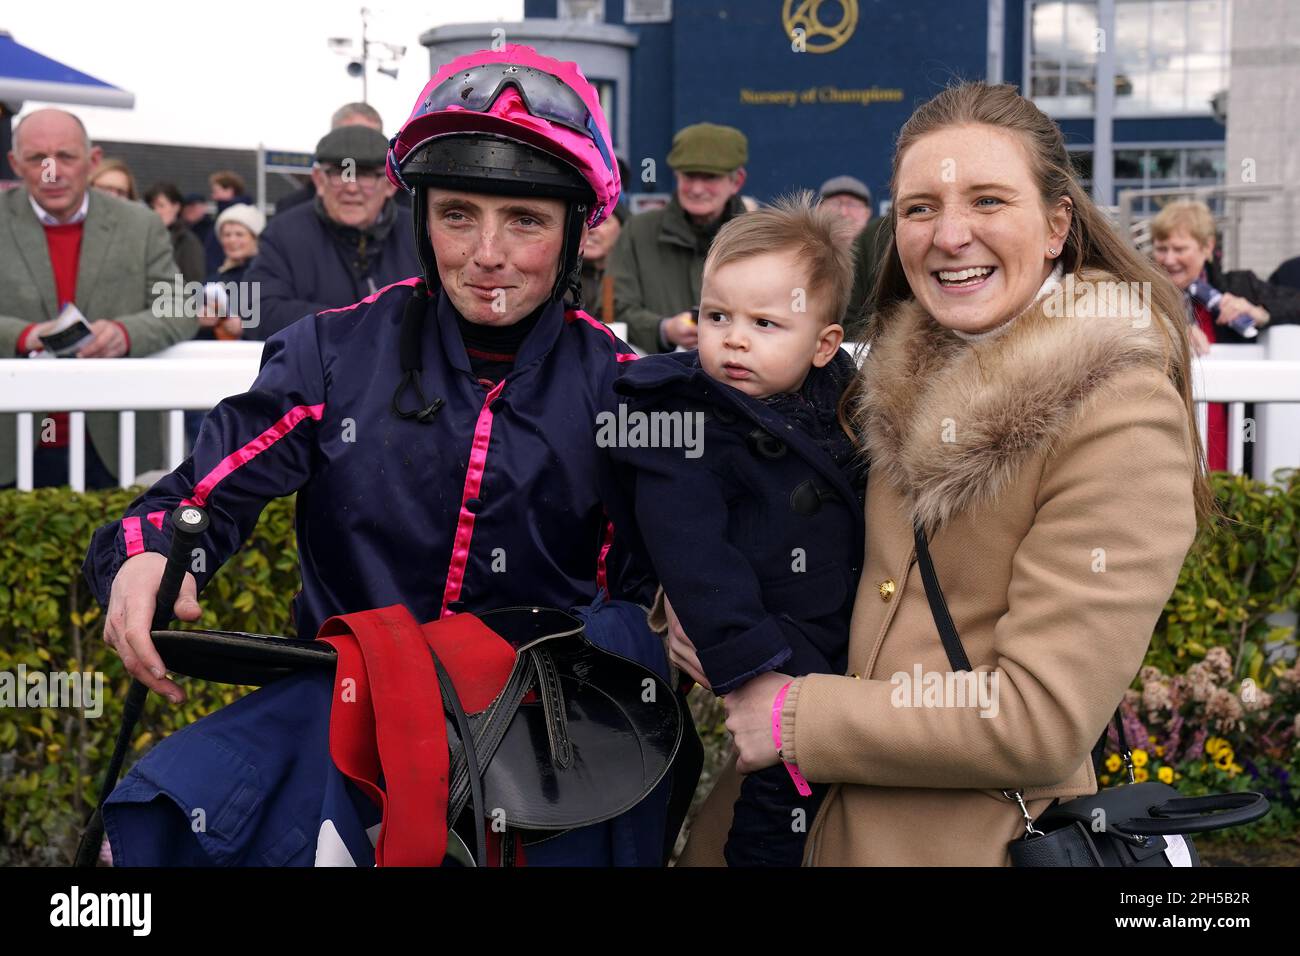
(756, 532)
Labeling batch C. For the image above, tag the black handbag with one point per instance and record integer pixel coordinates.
(1134, 824)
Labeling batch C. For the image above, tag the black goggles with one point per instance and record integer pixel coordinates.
(545, 95)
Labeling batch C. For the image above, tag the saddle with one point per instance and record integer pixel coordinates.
(565, 734)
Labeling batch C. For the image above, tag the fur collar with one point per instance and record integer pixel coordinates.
(949, 423)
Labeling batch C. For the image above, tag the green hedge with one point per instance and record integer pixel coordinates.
(52, 759)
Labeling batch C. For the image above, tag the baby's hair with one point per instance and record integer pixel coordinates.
(819, 239)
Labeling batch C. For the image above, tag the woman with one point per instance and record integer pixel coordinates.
(165, 199)
(114, 177)
(1221, 306)
(597, 281)
(1047, 448)
(1183, 236)
(238, 228)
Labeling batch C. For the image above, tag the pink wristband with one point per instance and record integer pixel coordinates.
(800, 783)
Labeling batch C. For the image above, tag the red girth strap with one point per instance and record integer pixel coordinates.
(387, 720)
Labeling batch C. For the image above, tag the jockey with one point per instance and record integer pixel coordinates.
(439, 434)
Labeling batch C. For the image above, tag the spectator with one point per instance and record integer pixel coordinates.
(1287, 274)
(238, 229)
(62, 242)
(848, 198)
(225, 309)
(114, 177)
(165, 199)
(851, 198)
(1183, 234)
(597, 281)
(349, 114)
(194, 210)
(226, 188)
(659, 259)
(348, 243)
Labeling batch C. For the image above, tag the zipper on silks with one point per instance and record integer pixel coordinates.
(474, 472)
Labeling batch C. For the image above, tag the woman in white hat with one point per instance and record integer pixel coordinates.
(238, 228)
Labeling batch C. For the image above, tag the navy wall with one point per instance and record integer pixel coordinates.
(717, 58)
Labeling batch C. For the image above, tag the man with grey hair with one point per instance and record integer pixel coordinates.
(62, 243)
(349, 114)
(850, 198)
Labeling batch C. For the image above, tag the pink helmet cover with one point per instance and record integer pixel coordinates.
(509, 117)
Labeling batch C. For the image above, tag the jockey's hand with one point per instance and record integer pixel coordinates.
(681, 652)
(129, 622)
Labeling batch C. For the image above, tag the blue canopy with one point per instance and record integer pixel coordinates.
(28, 75)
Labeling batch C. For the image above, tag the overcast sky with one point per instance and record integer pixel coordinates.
(235, 72)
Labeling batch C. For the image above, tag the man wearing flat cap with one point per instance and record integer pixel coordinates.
(348, 242)
(851, 200)
(659, 259)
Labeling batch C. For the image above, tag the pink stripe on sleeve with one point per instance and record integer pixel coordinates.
(602, 575)
(243, 456)
(133, 537)
(473, 483)
(155, 518)
(374, 295)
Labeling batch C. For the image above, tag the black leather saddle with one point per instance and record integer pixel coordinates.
(578, 735)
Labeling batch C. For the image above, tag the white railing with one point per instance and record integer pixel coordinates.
(191, 375)
(197, 375)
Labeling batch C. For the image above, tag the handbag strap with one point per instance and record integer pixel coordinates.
(938, 606)
(956, 652)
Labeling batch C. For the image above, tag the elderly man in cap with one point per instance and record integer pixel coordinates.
(659, 259)
(851, 200)
(347, 243)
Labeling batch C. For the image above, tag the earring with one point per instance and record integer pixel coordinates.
(1051, 251)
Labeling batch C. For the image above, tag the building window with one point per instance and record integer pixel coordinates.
(1171, 56)
(1157, 167)
(587, 11)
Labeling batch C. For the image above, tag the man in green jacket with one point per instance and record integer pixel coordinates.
(659, 258)
(61, 242)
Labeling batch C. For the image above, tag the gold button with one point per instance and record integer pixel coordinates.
(887, 589)
(856, 676)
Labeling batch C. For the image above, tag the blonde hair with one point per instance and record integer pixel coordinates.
(116, 165)
(819, 239)
(1184, 215)
(1090, 243)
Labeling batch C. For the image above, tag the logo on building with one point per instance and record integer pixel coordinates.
(818, 36)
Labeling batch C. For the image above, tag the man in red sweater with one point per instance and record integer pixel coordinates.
(60, 243)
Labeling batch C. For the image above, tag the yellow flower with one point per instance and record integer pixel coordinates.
(1113, 762)
(1105, 779)
(1140, 758)
(1165, 774)
(1223, 759)
(1213, 744)
(1141, 775)
(1151, 738)
(1160, 751)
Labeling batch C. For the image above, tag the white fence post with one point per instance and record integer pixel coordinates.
(1277, 429)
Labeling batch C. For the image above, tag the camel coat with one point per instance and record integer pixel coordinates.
(1052, 465)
